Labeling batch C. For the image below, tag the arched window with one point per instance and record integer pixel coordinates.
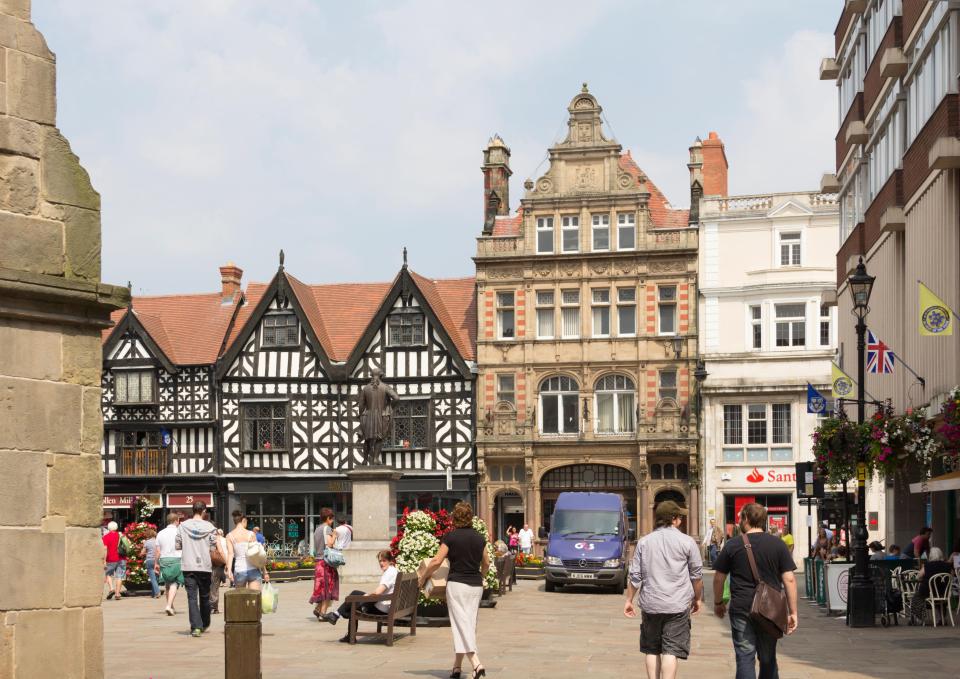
(668, 471)
(682, 471)
(614, 405)
(559, 406)
(655, 472)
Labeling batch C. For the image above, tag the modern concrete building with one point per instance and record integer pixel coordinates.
(766, 278)
(587, 326)
(897, 160)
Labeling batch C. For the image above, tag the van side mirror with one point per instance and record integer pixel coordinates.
(542, 533)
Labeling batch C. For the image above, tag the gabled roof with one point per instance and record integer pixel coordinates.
(340, 314)
(188, 329)
(661, 214)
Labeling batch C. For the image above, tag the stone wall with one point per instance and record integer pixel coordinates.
(52, 307)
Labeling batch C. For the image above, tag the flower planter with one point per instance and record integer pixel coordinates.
(292, 575)
(530, 572)
(487, 600)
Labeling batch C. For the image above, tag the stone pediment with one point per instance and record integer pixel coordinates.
(790, 209)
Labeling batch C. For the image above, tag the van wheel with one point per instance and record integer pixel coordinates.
(549, 586)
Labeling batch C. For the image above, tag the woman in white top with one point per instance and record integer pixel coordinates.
(238, 570)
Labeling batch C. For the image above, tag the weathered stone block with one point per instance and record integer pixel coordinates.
(76, 489)
(64, 180)
(84, 567)
(43, 416)
(23, 495)
(82, 357)
(50, 643)
(19, 136)
(31, 87)
(31, 244)
(19, 184)
(81, 229)
(6, 650)
(93, 642)
(91, 435)
(29, 350)
(32, 564)
(16, 8)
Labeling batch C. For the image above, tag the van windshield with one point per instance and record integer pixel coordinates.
(580, 522)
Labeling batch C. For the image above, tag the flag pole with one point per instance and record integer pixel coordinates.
(923, 382)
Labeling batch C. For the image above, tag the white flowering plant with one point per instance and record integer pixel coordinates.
(490, 579)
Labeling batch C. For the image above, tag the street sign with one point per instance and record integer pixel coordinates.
(808, 484)
(183, 500)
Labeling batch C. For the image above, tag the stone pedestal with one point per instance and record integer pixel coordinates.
(374, 521)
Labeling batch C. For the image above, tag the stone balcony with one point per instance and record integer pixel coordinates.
(761, 204)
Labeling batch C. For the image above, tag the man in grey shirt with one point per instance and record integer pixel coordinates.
(196, 538)
(667, 571)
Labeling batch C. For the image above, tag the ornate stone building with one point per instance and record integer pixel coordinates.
(586, 341)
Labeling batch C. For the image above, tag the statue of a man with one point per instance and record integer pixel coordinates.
(376, 416)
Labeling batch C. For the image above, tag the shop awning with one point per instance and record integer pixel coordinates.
(949, 481)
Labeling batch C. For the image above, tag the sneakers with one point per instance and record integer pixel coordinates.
(196, 632)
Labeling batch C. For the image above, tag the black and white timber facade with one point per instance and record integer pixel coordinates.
(272, 423)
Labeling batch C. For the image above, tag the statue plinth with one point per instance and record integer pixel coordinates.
(374, 520)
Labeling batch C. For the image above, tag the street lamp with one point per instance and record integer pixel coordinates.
(861, 603)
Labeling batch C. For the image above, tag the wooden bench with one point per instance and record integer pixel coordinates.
(505, 573)
(403, 603)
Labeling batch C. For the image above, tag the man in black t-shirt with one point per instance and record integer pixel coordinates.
(775, 566)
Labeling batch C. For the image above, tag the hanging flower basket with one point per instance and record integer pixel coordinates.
(948, 432)
(836, 443)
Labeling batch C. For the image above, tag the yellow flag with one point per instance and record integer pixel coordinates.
(842, 384)
(935, 316)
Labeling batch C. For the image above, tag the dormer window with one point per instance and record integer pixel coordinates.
(405, 328)
(134, 387)
(281, 330)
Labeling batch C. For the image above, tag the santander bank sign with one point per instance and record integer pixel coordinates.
(772, 476)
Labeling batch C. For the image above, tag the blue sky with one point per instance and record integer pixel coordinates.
(221, 130)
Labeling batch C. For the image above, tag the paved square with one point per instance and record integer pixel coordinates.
(529, 634)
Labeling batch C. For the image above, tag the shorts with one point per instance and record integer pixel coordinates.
(170, 573)
(665, 634)
(243, 577)
(114, 569)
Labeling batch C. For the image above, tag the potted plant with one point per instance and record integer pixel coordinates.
(529, 567)
(137, 577)
(418, 538)
(836, 444)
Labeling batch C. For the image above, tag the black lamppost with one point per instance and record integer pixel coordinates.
(861, 605)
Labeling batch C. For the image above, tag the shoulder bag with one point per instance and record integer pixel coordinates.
(256, 554)
(217, 557)
(333, 557)
(769, 607)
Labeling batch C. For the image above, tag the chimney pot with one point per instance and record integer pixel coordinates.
(230, 277)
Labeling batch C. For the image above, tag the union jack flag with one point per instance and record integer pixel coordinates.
(879, 356)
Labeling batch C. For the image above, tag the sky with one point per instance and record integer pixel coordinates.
(341, 132)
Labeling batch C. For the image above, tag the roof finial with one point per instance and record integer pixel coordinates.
(584, 88)
(404, 256)
(281, 260)
(130, 291)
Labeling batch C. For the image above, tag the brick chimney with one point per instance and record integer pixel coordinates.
(714, 166)
(496, 182)
(230, 276)
(696, 181)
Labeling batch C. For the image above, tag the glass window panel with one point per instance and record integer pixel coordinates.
(550, 413)
(669, 472)
(507, 472)
(627, 320)
(544, 297)
(626, 294)
(626, 231)
(571, 234)
(756, 424)
(571, 423)
(545, 323)
(733, 454)
(601, 321)
(605, 413)
(781, 423)
(757, 455)
(601, 232)
(782, 454)
(625, 412)
(570, 296)
(732, 424)
(668, 315)
(120, 380)
(656, 472)
(494, 471)
(571, 321)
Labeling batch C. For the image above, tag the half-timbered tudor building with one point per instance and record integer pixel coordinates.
(161, 433)
(251, 398)
(289, 381)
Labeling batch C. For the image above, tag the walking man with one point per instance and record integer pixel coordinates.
(775, 567)
(666, 570)
(168, 562)
(525, 538)
(196, 538)
(713, 540)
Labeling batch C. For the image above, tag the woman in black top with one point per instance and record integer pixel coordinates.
(469, 560)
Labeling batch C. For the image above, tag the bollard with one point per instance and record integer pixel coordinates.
(241, 632)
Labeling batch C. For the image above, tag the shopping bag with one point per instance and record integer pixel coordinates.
(256, 554)
(726, 590)
(436, 586)
(269, 598)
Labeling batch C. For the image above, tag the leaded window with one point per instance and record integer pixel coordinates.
(405, 329)
(264, 427)
(281, 330)
(134, 386)
(142, 453)
(410, 420)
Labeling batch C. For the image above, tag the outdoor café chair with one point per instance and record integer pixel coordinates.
(909, 580)
(939, 597)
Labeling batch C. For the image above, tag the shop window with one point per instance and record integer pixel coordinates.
(264, 427)
(281, 330)
(410, 423)
(134, 387)
(559, 406)
(405, 328)
(142, 454)
(614, 404)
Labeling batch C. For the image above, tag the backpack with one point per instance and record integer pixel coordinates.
(125, 547)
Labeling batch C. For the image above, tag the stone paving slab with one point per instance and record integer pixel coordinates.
(530, 634)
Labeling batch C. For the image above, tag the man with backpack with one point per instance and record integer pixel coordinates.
(752, 557)
(196, 538)
(114, 567)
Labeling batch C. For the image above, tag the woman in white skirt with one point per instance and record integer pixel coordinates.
(469, 560)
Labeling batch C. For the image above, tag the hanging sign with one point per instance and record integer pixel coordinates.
(182, 500)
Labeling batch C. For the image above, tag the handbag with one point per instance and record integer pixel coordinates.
(256, 554)
(769, 607)
(333, 556)
(216, 557)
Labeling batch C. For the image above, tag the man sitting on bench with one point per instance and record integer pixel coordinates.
(388, 579)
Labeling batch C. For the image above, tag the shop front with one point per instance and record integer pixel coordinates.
(130, 500)
(287, 511)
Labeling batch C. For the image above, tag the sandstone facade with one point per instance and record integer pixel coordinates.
(52, 307)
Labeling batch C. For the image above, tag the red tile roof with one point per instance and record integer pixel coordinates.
(340, 313)
(661, 214)
(189, 329)
(508, 226)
